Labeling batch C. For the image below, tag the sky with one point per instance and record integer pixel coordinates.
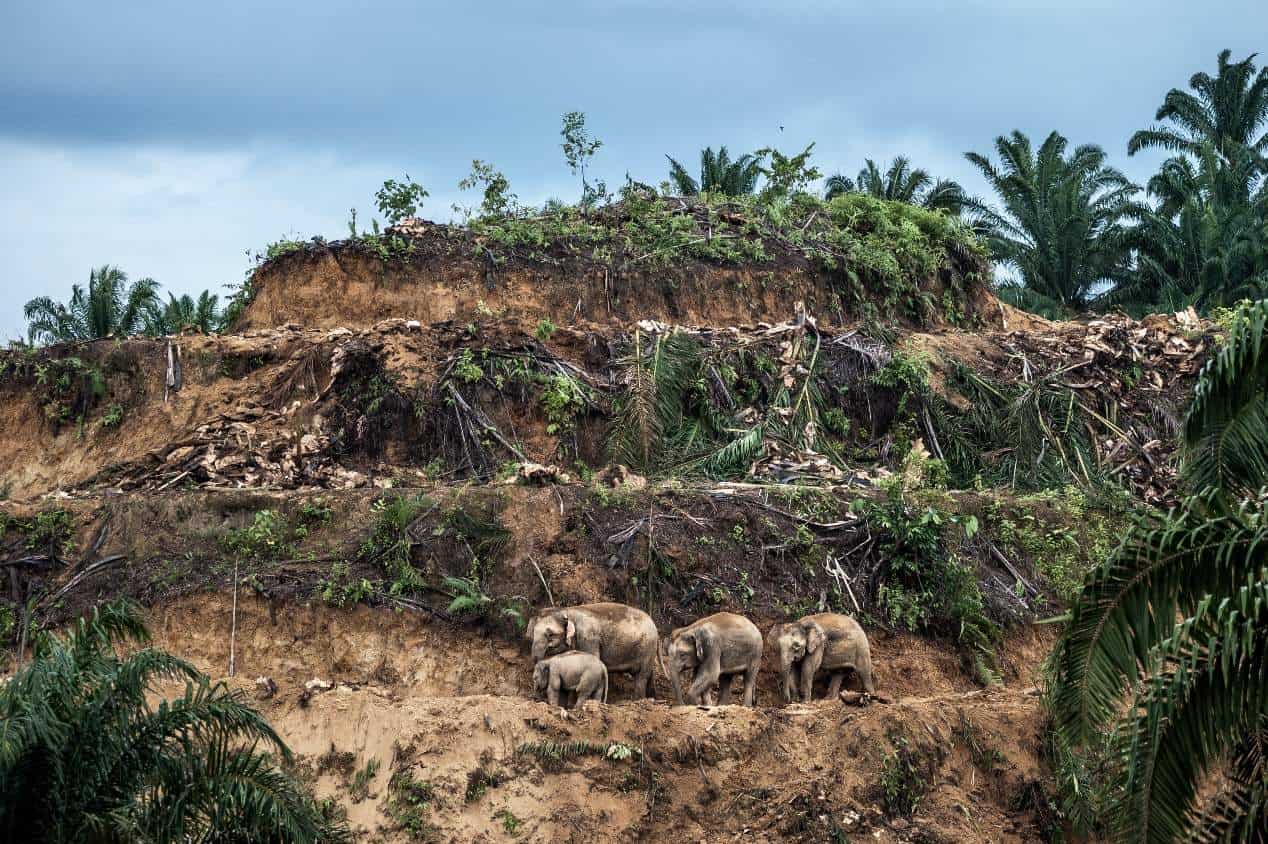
(175, 140)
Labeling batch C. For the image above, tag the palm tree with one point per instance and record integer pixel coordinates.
(85, 755)
(718, 174)
(1204, 242)
(1225, 112)
(900, 183)
(1166, 650)
(176, 315)
(109, 307)
(1062, 224)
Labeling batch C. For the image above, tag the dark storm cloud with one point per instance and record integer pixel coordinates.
(365, 90)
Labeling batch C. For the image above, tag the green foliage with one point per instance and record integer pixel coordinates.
(900, 183)
(398, 200)
(85, 754)
(113, 417)
(510, 823)
(201, 314)
(553, 755)
(498, 200)
(110, 307)
(266, 538)
(480, 781)
(1206, 241)
(1159, 640)
(1036, 432)
(718, 174)
(67, 388)
(578, 149)
(924, 586)
(563, 399)
(341, 590)
(544, 331)
(786, 175)
(903, 780)
(1062, 226)
(49, 531)
(1226, 430)
(359, 789)
(1067, 546)
(658, 371)
(409, 806)
(468, 597)
(389, 545)
(281, 248)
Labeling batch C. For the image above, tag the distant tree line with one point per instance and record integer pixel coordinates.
(1071, 231)
(111, 307)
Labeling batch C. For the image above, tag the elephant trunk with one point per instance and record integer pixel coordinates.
(787, 667)
(675, 674)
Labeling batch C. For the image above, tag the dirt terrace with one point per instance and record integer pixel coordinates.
(445, 714)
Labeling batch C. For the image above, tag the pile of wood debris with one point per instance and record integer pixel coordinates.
(242, 448)
(1131, 378)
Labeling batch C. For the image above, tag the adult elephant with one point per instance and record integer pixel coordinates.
(623, 637)
(717, 647)
(824, 641)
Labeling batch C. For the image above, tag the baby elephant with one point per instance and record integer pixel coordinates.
(580, 675)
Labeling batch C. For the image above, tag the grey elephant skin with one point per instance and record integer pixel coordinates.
(717, 648)
(572, 677)
(624, 638)
(821, 642)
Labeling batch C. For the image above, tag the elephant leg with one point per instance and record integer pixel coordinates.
(750, 684)
(643, 681)
(701, 685)
(837, 678)
(865, 678)
(724, 689)
(552, 690)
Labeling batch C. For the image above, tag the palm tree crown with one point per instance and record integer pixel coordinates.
(900, 183)
(1206, 241)
(718, 174)
(1062, 221)
(109, 307)
(1226, 111)
(85, 755)
(202, 314)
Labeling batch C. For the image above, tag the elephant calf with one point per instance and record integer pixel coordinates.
(718, 647)
(829, 641)
(574, 674)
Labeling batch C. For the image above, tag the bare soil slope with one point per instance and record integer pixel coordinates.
(464, 754)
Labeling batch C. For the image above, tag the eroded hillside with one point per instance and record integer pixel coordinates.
(415, 440)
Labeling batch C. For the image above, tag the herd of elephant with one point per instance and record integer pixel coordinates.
(575, 648)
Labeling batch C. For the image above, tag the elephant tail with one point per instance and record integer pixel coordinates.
(661, 660)
(605, 684)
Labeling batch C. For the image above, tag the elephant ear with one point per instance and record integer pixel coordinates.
(814, 638)
(570, 635)
(539, 675)
(703, 640)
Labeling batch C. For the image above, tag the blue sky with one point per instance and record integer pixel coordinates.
(172, 139)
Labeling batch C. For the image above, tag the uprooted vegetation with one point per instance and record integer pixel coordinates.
(1039, 408)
